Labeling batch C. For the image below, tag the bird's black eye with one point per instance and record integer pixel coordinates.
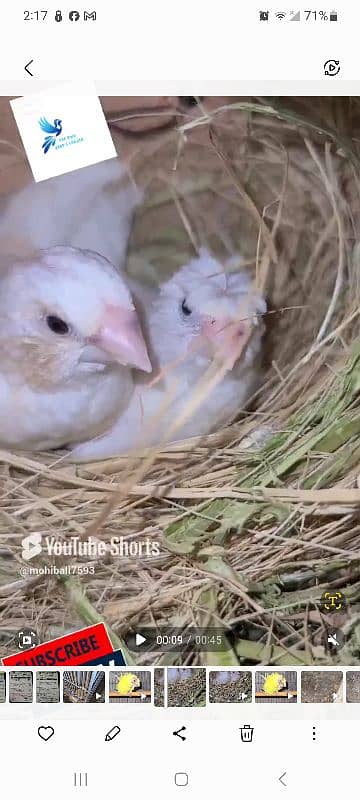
(185, 308)
(191, 101)
(57, 325)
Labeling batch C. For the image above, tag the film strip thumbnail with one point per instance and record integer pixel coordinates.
(179, 687)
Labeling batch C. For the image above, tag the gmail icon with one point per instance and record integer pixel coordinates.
(90, 15)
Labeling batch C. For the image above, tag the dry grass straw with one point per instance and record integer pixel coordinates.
(249, 540)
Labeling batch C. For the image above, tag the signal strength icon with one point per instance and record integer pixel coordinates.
(280, 15)
(296, 17)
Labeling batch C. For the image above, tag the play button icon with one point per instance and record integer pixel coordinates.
(144, 639)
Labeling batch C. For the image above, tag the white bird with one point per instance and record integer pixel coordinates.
(203, 325)
(90, 208)
(69, 334)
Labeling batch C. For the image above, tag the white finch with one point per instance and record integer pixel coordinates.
(69, 334)
(201, 319)
(90, 208)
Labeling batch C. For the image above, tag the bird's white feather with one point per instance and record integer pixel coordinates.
(89, 208)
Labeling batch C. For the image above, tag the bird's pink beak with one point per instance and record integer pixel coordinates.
(120, 335)
(226, 337)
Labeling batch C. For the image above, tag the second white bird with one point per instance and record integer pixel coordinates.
(201, 320)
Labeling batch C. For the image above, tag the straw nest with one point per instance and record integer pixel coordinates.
(248, 539)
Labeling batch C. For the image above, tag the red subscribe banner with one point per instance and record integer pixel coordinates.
(75, 648)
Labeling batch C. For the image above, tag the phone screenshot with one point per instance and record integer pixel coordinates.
(179, 400)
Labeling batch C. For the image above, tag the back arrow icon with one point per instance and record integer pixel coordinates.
(28, 65)
(281, 779)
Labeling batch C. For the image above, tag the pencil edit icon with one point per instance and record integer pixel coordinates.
(112, 733)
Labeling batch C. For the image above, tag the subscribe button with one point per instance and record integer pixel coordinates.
(76, 648)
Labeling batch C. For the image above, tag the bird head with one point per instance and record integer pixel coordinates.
(65, 312)
(207, 313)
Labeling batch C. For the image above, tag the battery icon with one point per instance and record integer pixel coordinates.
(333, 16)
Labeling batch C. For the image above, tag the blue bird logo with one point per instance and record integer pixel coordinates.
(52, 131)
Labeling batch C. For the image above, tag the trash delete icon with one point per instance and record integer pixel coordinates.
(247, 733)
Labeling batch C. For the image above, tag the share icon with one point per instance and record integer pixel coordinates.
(179, 733)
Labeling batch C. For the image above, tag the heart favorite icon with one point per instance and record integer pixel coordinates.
(46, 732)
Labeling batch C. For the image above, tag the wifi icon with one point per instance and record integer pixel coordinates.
(280, 15)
